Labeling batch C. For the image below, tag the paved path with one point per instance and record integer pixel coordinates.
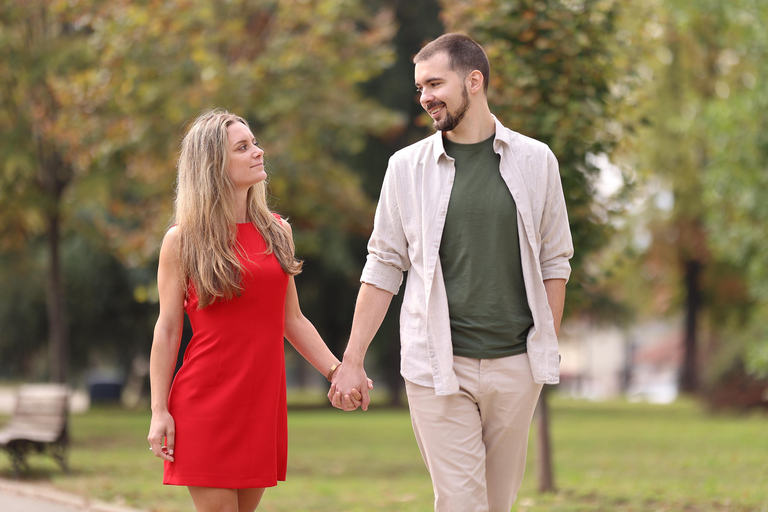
(14, 503)
(18, 496)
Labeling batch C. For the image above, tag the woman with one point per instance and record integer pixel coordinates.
(229, 263)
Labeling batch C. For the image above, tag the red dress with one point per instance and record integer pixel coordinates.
(228, 398)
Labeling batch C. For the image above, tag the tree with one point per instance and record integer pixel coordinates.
(94, 95)
(705, 53)
(42, 47)
(736, 124)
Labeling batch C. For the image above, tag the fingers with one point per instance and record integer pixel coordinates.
(352, 400)
(334, 397)
(344, 402)
(159, 448)
(350, 404)
(170, 443)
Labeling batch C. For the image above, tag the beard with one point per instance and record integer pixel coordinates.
(452, 119)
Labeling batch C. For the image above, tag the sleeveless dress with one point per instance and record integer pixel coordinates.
(228, 397)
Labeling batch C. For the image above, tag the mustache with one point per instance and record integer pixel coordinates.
(434, 104)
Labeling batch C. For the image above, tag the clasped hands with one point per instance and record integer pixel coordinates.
(349, 388)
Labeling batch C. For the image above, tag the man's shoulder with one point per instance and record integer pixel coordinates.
(519, 142)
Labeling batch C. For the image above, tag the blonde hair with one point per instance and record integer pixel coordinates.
(204, 213)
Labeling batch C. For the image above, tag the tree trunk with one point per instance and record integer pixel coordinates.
(53, 178)
(58, 349)
(544, 470)
(689, 378)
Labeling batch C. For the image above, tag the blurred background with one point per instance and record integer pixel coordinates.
(656, 110)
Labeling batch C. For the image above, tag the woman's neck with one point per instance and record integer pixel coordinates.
(241, 207)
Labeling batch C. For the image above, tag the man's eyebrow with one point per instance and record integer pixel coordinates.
(428, 80)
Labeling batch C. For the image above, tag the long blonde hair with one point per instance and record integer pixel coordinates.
(204, 212)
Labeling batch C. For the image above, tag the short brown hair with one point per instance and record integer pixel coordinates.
(464, 55)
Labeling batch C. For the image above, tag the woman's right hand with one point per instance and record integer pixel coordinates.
(162, 427)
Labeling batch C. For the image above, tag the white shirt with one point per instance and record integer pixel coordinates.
(407, 230)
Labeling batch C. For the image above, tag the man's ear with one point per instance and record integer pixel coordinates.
(475, 81)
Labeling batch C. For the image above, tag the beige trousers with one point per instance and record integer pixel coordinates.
(474, 443)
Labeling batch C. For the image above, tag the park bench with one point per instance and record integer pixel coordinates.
(38, 424)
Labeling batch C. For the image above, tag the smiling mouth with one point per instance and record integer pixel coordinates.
(433, 110)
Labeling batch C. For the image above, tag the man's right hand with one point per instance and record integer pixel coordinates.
(347, 380)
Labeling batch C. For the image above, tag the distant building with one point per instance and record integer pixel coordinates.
(601, 362)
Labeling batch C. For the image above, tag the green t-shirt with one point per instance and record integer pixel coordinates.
(480, 258)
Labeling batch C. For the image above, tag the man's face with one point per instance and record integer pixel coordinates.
(443, 92)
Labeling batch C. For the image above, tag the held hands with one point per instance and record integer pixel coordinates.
(162, 427)
(344, 394)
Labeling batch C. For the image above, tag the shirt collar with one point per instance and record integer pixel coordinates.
(503, 136)
(438, 149)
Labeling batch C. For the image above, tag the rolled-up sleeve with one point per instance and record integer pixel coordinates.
(556, 243)
(388, 246)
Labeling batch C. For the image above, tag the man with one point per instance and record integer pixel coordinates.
(475, 213)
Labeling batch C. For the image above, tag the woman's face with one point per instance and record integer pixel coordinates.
(246, 158)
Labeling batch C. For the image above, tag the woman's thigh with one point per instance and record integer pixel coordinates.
(213, 499)
(248, 499)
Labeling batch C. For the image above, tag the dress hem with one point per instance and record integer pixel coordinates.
(205, 482)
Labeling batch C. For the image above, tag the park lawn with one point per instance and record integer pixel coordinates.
(611, 456)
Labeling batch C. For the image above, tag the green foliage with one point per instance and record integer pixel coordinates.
(277, 63)
(107, 86)
(108, 325)
(736, 124)
(704, 141)
(21, 308)
(94, 96)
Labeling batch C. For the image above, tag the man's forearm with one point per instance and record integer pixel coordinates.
(370, 310)
(556, 298)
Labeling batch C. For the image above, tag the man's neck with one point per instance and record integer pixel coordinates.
(473, 128)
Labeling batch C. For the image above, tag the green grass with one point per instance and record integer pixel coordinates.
(615, 457)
